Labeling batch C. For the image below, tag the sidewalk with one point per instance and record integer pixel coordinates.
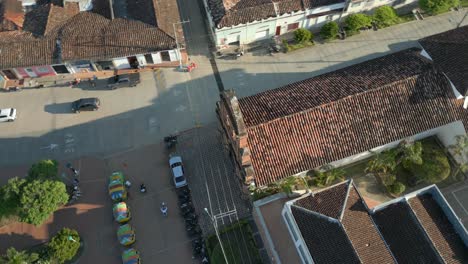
(65, 79)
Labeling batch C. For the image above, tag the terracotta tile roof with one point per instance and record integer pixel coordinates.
(40, 21)
(11, 15)
(226, 13)
(328, 202)
(411, 229)
(362, 232)
(20, 49)
(405, 237)
(90, 36)
(164, 13)
(449, 50)
(345, 115)
(440, 231)
(355, 231)
(326, 240)
(300, 96)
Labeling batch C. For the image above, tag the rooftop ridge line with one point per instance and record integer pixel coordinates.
(350, 185)
(339, 100)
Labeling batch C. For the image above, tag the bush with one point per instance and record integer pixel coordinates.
(302, 35)
(64, 245)
(385, 16)
(43, 170)
(435, 167)
(38, 199)
(396, 188)
(329, 31)
(328, 177)
(438, 6)
(286, 46)
(357, 21)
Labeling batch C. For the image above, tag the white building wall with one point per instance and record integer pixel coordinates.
(296, 236)
(364, 6)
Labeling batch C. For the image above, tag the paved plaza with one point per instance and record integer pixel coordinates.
(159, 239)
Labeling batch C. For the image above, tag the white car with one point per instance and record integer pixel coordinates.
(177, 169)
(7, 115)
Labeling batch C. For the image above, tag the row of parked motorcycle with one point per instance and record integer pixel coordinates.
(191, 225)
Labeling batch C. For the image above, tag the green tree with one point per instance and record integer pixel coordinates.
(410, 153)
(64, 245)
(329, 31)
(396, 188)
(435, 167)
(302, 35)
(460, 149)
(39, 199)
(438, 6)
(385, 16)
(43, 170)
(10, 195)
(357, 21)
(13, 256)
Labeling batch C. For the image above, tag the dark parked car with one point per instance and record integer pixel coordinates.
(124, 80)
(86, 104)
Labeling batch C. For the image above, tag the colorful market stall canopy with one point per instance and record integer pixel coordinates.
(130, 256)
(121, 212)
(126, 235)
(117, 189)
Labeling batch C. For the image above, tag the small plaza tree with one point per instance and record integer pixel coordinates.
(44, 169)
(64, 245)
(38, 199)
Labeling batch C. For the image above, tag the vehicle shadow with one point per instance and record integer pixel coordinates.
(61, 108)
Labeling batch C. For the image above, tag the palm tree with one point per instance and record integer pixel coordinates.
(327, 177)
(287, 184)
(383, 162)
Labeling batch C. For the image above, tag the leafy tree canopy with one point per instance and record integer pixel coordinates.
(64, 245)
(44, 170)
(39, 199)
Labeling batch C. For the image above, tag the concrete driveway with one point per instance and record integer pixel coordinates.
(159, 239)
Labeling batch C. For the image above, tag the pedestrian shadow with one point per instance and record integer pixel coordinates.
(60, 108)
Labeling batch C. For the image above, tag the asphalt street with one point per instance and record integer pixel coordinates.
(128, 118)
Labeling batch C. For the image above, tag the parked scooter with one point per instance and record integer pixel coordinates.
(170, 141)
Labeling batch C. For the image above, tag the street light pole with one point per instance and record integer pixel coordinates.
(179, 55)
(215, 225)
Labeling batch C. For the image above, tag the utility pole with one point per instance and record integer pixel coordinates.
(179, 55)
(215, 225)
